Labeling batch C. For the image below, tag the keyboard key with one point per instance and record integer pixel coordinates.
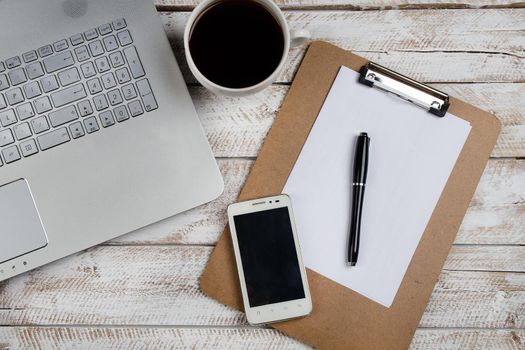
(69, 76)
(49, 83)
(76, 39)
(123, 75)
(116, 59)
(135, 108)
(100, 102)
(2, 67)
(13, 62)
(124, 37)
(106, 119)
(32, 90)
(7, 117)
(11, 154)
(108, 80)
(105, 29)
(115, 97)
(53, 138)
(68, 95)
(14, 96)
(96, 48)
(22, 131)
(119, 24)
(91, 34)
(60, 45)
(84, 107)
(82, 53)
(28, 148)
(17, 76)
(25, 111)
(132, 57)
(94, 86)
(6, 137)
(91, 125)
(39, 125)
(35, 70)
(30, 56)
(63, 116)
(76, 130)
(42, 105)
(121, 113)
(45, 51)
(147, 95)
(102, 64)
(4, 83)
(129, 92)
(88, 70)
(110, 42)
(3, 103)
(58, 62)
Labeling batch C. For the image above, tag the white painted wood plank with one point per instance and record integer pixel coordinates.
(497, 211)
(459, 339)
(495, 300)
(506, 102)
(236, 127)
(474, 46)
(145, 338)
(487, 258)
(107, 338)
(496, 214)
(159, 286)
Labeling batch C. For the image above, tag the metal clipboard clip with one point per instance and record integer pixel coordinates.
(434, 101)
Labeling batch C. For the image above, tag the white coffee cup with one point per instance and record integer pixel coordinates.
(290, 39)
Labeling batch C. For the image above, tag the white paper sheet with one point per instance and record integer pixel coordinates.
(412, 154)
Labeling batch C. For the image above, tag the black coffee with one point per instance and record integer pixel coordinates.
(236, 43)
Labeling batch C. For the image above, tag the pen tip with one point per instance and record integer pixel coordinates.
(364, 134)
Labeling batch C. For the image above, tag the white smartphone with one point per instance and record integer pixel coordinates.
(271, 271)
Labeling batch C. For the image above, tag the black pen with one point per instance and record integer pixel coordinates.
(358, 186)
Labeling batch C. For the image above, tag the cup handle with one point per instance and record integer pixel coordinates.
(299, 37)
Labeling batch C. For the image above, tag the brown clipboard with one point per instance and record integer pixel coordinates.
(342, 318)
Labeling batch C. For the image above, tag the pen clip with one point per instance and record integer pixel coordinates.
(434, 101)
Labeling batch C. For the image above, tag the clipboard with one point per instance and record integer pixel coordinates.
(342, 318)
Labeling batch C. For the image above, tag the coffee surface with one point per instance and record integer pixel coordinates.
(236, 43)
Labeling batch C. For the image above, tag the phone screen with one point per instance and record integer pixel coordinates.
(269, 257)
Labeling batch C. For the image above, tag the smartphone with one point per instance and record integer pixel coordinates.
(273, 279)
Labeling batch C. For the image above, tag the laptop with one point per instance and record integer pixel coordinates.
(98, 134)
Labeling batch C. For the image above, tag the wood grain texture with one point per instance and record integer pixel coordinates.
(496, 214)
(145, 338)
(429, 339)
(359, 5)
(159, 286)
(474, 46)
(107, 338)
(236, 127)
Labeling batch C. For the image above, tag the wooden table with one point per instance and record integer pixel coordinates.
(142, 290)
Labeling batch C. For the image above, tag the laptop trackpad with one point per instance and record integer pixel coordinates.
(21, 230)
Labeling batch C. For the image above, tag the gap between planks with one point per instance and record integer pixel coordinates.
(351, 7)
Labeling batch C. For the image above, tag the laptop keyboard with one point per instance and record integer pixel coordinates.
(70, 89)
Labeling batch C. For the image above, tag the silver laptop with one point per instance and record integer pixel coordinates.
(98, 134)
